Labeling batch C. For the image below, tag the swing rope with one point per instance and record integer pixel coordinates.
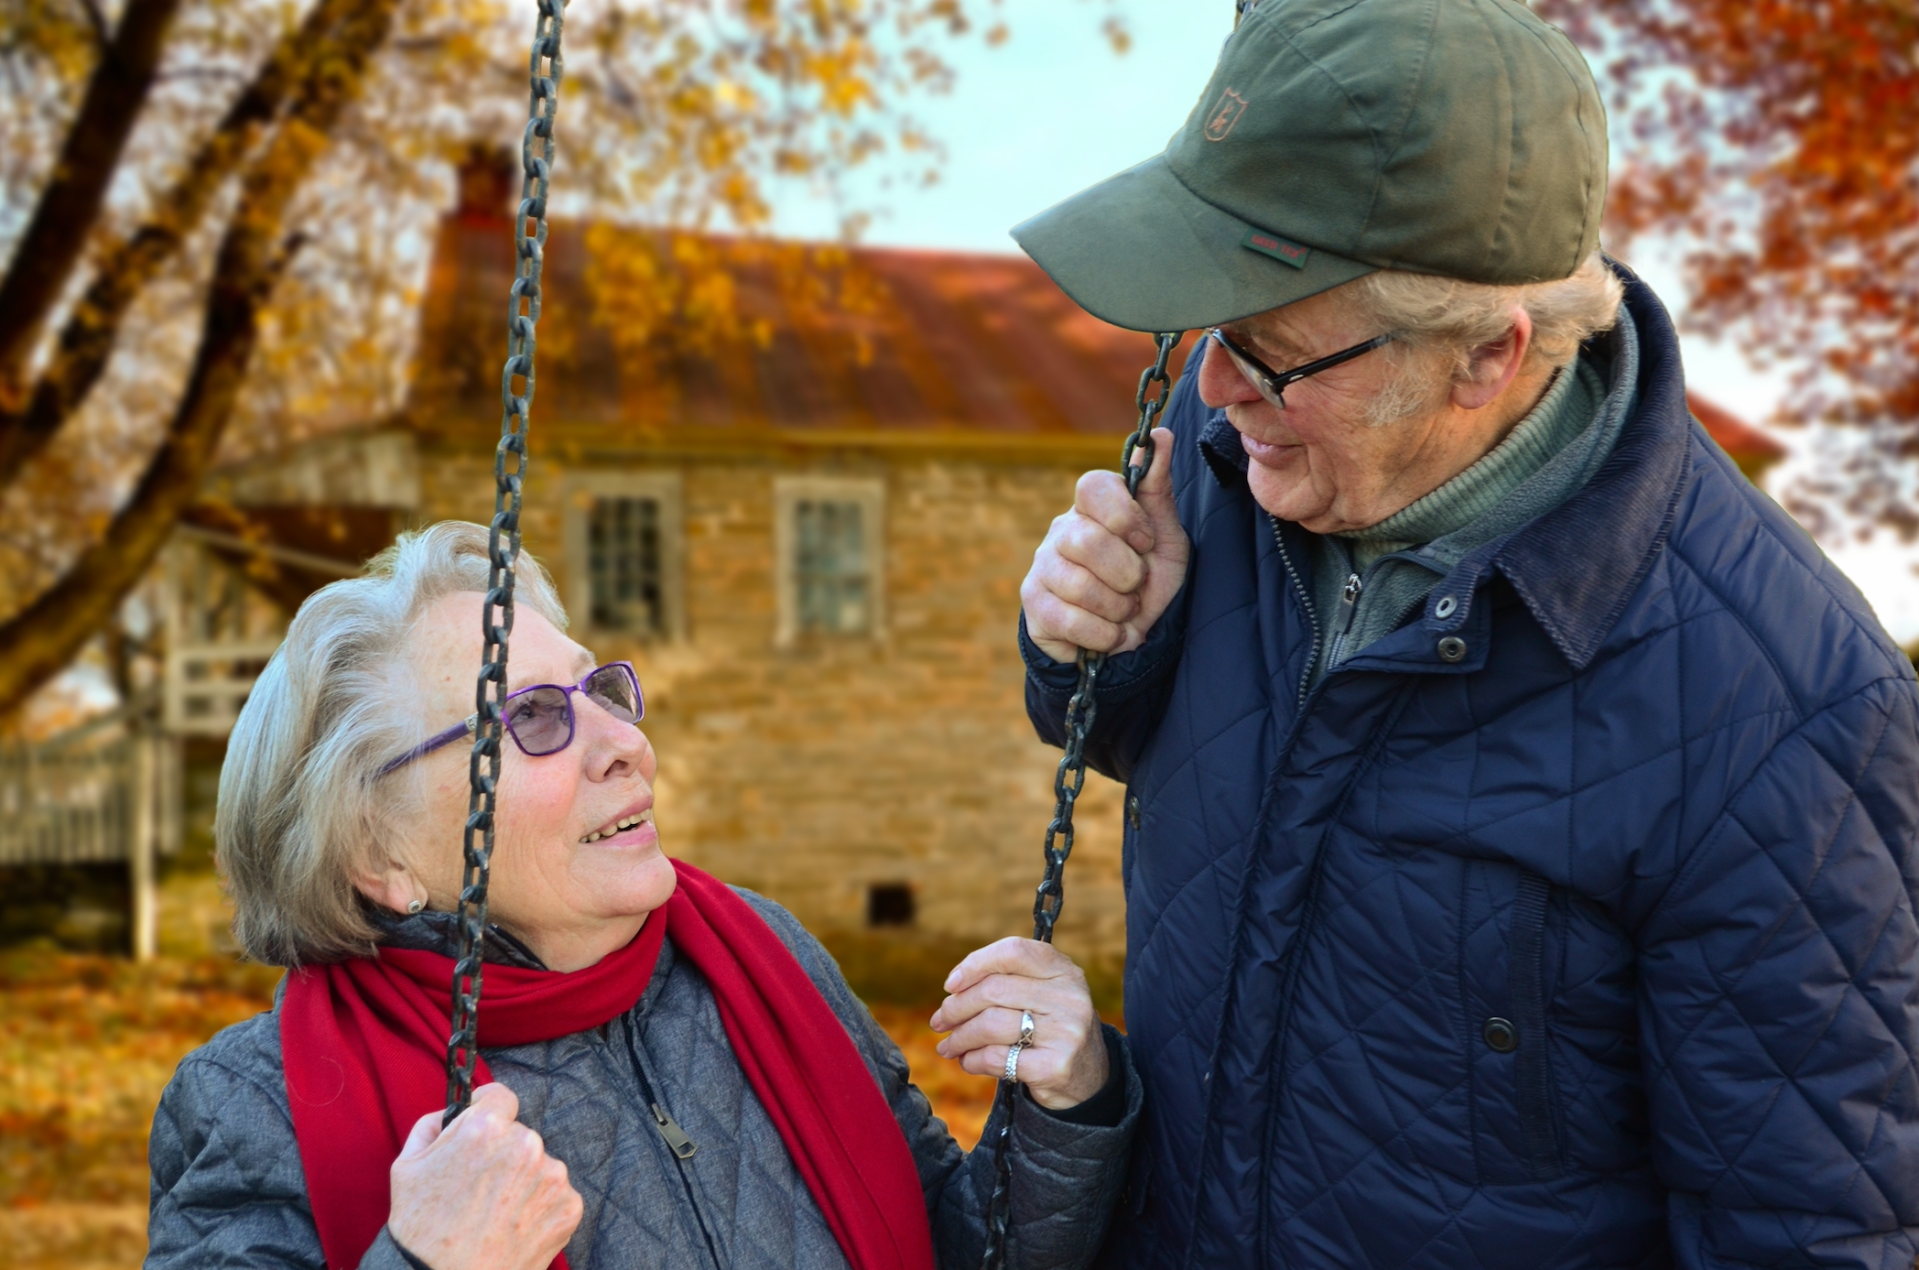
(1135, 460)
(503, 550)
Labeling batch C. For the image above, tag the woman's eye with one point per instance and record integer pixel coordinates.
(530, 709)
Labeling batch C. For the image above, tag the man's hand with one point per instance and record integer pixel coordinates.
(483, 1194)
(1110, 566)
(1066, 1063)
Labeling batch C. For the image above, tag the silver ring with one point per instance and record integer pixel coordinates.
(1012, 1051)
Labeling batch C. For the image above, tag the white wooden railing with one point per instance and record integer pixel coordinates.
(99, 795)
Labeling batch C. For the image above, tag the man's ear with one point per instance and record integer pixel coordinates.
(1494, 366)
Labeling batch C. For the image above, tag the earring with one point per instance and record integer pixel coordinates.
(414, 906)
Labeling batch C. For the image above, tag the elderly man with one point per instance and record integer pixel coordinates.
(1520, 817)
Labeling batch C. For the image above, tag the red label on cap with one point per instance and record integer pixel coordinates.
(1278, 248)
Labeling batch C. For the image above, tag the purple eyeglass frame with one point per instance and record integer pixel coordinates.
(469, 725)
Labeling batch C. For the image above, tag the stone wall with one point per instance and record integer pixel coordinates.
(813, 771)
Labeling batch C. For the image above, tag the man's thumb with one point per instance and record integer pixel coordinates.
(1156, 489)
(426, 1131)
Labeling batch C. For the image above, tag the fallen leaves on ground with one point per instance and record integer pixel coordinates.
(88, 1043)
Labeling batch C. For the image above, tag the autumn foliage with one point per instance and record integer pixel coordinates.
(1779, 140)
(214, 211)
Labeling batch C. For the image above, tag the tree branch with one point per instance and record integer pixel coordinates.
(36, 642)
(70, 203)
(126, 268)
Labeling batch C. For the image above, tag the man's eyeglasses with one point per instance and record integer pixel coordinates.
(1272, 384)
(540, 718)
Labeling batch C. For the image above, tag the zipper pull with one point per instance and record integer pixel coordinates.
(676, 1139)
(1349, 602)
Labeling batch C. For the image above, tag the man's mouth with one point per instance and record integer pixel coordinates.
(619, 825)
(1264, 453)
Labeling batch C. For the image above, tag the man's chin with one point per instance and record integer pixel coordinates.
(1286, 495)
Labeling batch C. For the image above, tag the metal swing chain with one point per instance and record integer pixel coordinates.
(1068, 780)
(503, 551)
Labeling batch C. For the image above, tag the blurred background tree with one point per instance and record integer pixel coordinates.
(217, 211)
(1777, 141)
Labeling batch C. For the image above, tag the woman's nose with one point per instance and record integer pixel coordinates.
(1220, 383)
(612, 742)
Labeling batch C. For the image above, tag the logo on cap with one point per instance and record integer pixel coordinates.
(1225, 115)
(1278, 248)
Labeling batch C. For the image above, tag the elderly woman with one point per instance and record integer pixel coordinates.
(678, 1074)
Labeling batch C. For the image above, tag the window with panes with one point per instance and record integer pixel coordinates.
(832, 579)
(626, 565)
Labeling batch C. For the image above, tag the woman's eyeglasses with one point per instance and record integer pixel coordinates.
(1272, 384)
(540, 718)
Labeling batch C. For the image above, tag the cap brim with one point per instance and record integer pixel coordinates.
(1142, 251)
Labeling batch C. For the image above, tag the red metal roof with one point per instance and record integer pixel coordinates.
(944, 341)
(1745, 444)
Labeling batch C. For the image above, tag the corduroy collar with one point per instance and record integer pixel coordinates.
(1616, 526)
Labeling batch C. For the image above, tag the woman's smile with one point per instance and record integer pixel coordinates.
(632, 828)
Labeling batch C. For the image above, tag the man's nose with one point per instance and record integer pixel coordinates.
(1220, 383)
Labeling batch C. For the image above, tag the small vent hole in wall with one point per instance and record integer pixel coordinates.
(889, 904)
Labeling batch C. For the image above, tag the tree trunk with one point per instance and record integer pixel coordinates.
(87, 339)
(42, 638)
(70, 203)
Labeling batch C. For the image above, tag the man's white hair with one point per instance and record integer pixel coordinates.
(302, 806)
(1440, 321)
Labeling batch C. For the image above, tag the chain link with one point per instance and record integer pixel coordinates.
(503, 550)
(1136, 459)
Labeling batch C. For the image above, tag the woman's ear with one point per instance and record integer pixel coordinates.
(392, 888)
(1493, 367)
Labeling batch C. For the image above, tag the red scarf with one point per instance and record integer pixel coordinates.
(365, 1045)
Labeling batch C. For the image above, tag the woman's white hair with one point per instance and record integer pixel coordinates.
(1440, 321)
(302, 808)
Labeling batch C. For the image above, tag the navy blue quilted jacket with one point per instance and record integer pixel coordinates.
(1593, 948)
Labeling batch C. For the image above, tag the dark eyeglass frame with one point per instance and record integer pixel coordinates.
(1272, 384)
(469, 725)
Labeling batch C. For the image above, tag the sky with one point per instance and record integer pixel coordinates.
(1054, 110)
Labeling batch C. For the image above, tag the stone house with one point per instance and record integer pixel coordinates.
(809, 539)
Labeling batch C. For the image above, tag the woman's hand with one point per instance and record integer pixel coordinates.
(483, 1194)
(1066, 1062)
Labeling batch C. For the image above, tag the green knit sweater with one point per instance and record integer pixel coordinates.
(1369, 582)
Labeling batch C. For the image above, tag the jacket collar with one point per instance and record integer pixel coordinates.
(1634, 494)
(438, 932)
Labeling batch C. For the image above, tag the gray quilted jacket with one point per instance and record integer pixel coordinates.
(228, 1189)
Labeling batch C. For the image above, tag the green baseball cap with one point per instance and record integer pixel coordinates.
(1338, 137)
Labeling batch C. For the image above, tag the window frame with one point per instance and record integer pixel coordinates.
(869, 494)
(580, 490)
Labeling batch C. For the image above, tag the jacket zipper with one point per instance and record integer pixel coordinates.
(682, 1146)
(1306, 689)
(1343, 627)
(1312, 618)
(1309, 906)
